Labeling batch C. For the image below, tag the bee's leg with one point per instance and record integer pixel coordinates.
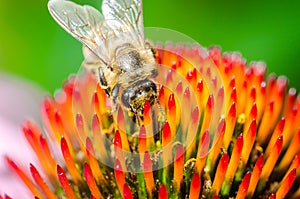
(103, 82)
(114, 96)
(161, 115)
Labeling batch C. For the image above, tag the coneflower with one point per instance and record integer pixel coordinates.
(223, 129)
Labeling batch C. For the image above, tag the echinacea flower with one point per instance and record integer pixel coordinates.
(253, 151)
(216, 129)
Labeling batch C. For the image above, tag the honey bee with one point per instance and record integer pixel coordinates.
(121, 59)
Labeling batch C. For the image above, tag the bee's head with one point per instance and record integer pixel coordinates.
(135, 96)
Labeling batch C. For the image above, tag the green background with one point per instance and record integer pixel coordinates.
(33, 46)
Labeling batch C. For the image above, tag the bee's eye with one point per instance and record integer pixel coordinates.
(147, 89)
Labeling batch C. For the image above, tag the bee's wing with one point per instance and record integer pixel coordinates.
(127, 16)
(85, 23)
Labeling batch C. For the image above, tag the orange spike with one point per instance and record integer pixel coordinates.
(148, 173)
(89, 177)
(255, 175)
(101, 100)
(207, 114)
(292, 149)
(93, 161)
(261, 100)
(243, 186)
(271, 160)
(251, 115)
(195, 187)
(69, 161)
(220, 173)
(190, 139)
(59, 125)
(277, 131)
(289, 101)
(234, 161)
(178, 165)
(99, 139)
(120, 176)
(290, 127)
(40, 182)
(33, 133)
(163, 192)
(23, 177)
(217, 145)
(286, 184)
(65, 183)
(266, 122)
(47, 152)
(202, 152)
(230, 124)
(81, 131)
(148, 126)
(296, 162)
(179, 88)
(249, 139)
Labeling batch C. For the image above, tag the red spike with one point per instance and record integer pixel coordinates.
(69, 160)
(27, 181)
(127, 192)
(189, 75)
(91, 181)
(243, 186)
(187, 93)
(95, 124)
(163, 192)
(255, 175)
(232, 110)
(166, 134)
(65, 183)
(233, 95)
(169, 77)
(195, 186)
(253, 93)
(195, 114)
(119, 175)
(253, 112)
(232, 82)
(272, 196)
(210, 102)
(179, 87)
(142, 140)
(171, 102)
(200, 86)
(117, 140)
(286, 184)
(121, 120)
(220, 173)
(147, 107)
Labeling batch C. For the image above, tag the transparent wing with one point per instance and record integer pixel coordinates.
(125, 15)
(86, 24)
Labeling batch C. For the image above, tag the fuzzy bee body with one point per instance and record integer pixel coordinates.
(115, 50)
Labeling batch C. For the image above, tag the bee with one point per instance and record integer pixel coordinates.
(115, 49)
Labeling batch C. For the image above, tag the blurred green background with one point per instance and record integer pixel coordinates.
(33, 46)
